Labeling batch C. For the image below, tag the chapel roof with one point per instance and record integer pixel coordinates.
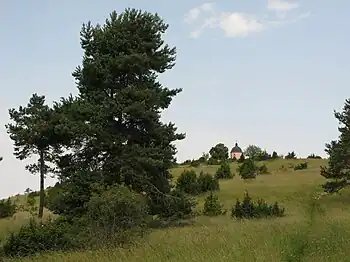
(236, 149)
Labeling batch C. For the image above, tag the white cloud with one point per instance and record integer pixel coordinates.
(281, 5)
(239, 24)
(195, 13)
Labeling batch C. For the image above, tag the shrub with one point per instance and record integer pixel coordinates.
(212, 206)
(36, 237)
(248, 209)
(301, 166)
(241, 159)
(224, 171)
(177, 205)
(116, 213)
(263, 169)
(207, 183)
(195, 163)
(7, 208)
(212, 161)
(290, 155)
(187, 182)
(248, 169)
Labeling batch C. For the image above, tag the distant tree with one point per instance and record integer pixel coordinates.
(32, 131)
(248, 169)
(204, 158)
(337, 172)
(27, 191)
(313, 156)
(274, 155)
(253, 152)
(291, 155)
(219, 152)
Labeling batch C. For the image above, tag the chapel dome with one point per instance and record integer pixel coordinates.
(236, 149)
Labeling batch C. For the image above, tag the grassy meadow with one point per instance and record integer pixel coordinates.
(316, 226)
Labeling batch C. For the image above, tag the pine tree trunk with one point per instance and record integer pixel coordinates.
(42, 185)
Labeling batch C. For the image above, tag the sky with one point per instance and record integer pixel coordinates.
(263, 72)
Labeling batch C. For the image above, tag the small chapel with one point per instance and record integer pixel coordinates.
(236, 152)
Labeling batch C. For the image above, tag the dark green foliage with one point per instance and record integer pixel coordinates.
(248, 209)
(212, 206)
(7, 208)
(186, 162)
(114, 124)
(187, 182)
(224, 171)
(290, 155)
(116, 213)
(195, 163)
(301, 166)
(219, 152)
(36, 237)
(33, 132)
(212, 161)
(207, 182)
(177, 205)
(263, 169)
(337, 172)
(248, 169)
(274, 155)
(255, 153)
(313, 156)
(241, 159)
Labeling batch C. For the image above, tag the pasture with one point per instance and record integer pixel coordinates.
(316, 226)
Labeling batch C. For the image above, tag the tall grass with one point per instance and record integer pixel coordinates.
(315, 228)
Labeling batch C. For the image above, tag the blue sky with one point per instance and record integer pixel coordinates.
(261, 72)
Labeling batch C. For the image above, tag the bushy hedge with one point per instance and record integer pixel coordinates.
(248, 209)
(7, 208)
(248, 169)
(301, 166)
(224, 171)
(212, 206)
(190, 183)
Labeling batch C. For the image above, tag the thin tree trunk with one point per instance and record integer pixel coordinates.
(42, 184)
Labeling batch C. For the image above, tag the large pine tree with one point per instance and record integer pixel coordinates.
(119, 137)
(338, 170)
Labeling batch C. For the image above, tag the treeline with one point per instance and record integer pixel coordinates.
(220, 152)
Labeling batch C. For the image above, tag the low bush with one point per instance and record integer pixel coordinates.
(117, 213)
(187, 182)
(7, 208)
(248, 209)
(212, 206)
(263, 169)
(177, 205)
(207, 182)
(36, 237)
(248, 169)
(241, 159)
(301, 166)
(224, 171)
(212, 161)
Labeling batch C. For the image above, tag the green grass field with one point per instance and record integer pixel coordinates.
(316, 226)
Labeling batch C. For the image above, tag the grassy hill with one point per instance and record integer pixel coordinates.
(315, 228)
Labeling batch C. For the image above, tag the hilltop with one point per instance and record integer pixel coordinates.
(314, 234)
